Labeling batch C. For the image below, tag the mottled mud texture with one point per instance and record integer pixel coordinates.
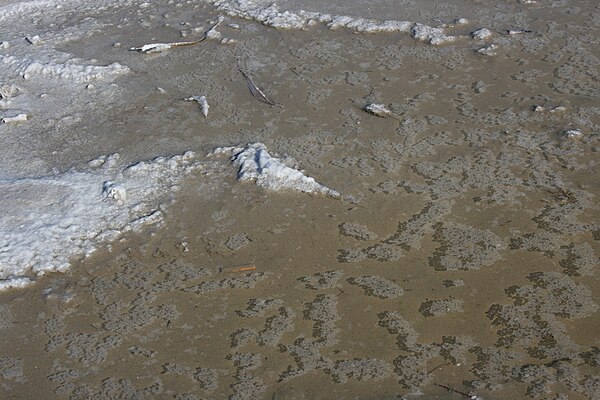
(463, 252)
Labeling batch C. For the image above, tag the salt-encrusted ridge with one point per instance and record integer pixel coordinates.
(72, 70)
(270, 15)
(256, 164)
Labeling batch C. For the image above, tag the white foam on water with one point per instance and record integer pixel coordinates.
(46, 221)
(256, 164)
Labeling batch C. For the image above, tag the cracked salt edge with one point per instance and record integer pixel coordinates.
(256, 164)
(270, 16)
(45, 221)
(70, 70)
(27, 9)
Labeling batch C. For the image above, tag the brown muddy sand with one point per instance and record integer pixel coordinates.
(460, 261)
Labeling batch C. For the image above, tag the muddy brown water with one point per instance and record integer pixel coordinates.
(461, 260)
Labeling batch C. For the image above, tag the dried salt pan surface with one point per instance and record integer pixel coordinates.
(46, 221)
(256, 164)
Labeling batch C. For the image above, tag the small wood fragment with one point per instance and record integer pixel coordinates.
(238, 268)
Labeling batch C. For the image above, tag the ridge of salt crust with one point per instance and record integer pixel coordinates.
(47, 220)
(257, 165)
(270, 15)
(71, 70)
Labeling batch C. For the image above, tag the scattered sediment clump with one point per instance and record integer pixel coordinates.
(550, 296)
(12, 369)
(360, 369)
(258, 307)
(357, 231)
(381, 252)
(377, 286)
(378, 110)
(431, 35)
(237, 241)
(488, 50)
(276, 327)
(247, 281)
(463, 247)
(435, 308)
(482, 34)
(323, 311)
(322, 280)
(454, 283)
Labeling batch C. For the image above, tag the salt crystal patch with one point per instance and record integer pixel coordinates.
(45, 221)
(489, 50)
(72, 70)
(430, 35)
(573, 133)
(8, 91)
(14, 283)
(35, 40)
(256, 164)
(517, 31)
(482, 34)
(379, 110)
(271, 16)
(114, 192)
(15, 119)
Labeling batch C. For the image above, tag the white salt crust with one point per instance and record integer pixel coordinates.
(73, 70)
(257, 165)
(268, 14)
(46, 221)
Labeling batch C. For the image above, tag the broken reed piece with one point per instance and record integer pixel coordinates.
(256, 91)
(238, 268)
(201, 100)
(159, 47)
(467, 395)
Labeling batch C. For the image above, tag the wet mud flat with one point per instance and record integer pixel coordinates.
(460, 259)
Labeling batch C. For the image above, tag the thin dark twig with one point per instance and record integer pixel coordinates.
(467, 395)
(439, 366)
(256, 91)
